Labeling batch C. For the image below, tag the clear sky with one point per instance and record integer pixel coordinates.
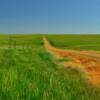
(49, 16)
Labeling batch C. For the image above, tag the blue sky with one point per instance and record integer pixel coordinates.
(49, 16)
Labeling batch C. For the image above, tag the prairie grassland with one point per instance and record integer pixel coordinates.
(29, 73)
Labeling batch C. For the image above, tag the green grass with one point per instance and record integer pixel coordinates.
(76, 41)
(30, 74)
(62, 41)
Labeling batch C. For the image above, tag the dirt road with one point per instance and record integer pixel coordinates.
(88, 61)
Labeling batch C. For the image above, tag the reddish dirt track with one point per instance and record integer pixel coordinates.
(87, 61)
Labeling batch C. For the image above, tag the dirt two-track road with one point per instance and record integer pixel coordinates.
(87, 61)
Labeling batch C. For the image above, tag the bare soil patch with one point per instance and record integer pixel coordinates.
(88, 61)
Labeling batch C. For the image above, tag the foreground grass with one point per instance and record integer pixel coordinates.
(30, 74)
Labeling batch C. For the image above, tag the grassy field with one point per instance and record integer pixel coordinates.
(62, 41)
(27, 71)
